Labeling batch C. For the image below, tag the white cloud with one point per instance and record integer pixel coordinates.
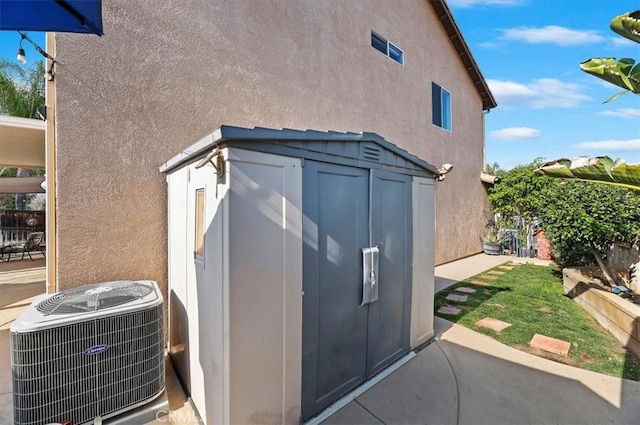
(464, 4)
(541, 93)
(490, 45)
(611, 145)
(621, 42)
(516, 133)
(552, 34)
(631, 113)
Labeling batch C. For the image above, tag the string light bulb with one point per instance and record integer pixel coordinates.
(22, 58)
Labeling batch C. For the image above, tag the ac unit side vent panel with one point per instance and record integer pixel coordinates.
(87, 369)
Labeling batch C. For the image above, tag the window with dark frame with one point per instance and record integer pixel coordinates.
(389, 49)
(441, 107)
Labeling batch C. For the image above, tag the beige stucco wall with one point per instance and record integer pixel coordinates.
(165, 74)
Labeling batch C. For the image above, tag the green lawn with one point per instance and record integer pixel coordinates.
(531, 299)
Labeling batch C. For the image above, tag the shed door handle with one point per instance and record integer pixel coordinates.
(370, 261)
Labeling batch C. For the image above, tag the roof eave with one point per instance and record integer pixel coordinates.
(455, 35)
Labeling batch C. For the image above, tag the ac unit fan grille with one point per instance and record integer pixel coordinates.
(56, 379)
(94, 297)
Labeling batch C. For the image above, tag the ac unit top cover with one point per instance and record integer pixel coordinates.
(88, 302)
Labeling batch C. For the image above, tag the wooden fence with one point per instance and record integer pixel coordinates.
(623, 255)
(15, 225)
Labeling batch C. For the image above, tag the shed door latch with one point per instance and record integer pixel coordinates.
(370, 283)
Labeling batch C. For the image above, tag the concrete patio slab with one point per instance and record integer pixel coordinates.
(423, 391)
(551, 345)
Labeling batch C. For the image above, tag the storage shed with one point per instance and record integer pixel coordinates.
(300, 265)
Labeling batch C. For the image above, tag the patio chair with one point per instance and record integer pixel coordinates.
(32, 244)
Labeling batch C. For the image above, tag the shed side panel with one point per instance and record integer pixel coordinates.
(265, 283)
(423, 260)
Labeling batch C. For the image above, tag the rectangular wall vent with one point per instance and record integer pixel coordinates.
(371, 153)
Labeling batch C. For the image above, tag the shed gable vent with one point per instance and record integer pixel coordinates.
(371, 153)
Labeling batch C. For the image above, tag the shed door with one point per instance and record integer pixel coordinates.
(389, 316)
(345, 343)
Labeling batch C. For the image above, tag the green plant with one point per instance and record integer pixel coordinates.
(517, 198)
(583, 214)
(491, 236)
(622, 73)
(601, 169)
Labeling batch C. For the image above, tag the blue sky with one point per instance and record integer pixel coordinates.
(529, 51)
(10, 41)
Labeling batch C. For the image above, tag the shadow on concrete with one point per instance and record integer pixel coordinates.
(493, 390)
(467, 378)
(443, 283)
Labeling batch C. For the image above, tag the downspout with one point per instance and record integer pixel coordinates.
(484, 140)
(51, 173)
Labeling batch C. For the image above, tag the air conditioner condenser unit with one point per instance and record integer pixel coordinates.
(88, 353)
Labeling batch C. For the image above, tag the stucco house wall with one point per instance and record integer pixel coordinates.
(167, 73)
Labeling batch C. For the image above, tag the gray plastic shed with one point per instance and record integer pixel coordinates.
(300, 267)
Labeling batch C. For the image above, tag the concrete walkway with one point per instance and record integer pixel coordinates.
(451, 273)
(464, 377)
(468, 378)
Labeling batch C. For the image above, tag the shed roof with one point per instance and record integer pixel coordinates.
(297, 142)
(453, 31)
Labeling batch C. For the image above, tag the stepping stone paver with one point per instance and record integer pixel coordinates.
(495, 272)
(552, 345)
(479, 282)
(506, 267)
(488, 277)
(449, 310)
(456, 297)
(494, 324)
(466, 290)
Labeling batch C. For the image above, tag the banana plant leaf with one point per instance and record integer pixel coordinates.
(601, 169)
(621, 72)
(627, 25)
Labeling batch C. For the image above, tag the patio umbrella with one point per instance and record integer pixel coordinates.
(78, 16)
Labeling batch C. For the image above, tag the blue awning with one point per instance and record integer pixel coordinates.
(79, 16)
